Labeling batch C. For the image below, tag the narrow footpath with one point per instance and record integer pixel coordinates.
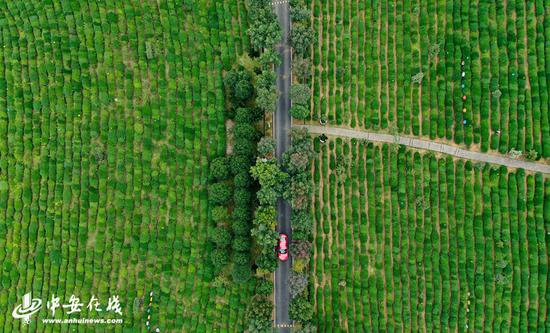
(428, 145)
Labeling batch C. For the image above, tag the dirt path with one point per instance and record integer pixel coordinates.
(430, 145)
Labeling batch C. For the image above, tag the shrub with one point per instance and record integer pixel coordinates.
(299, 265)
(266, 146)
(299, 13)
(241, 243)
(301, 249)
(297, 282)
(219, 258)
(241, 227)
(241, 258)
(264, 30)
(242, 197)
(239, 163)
(300, 309)
(267, 262)
(301, 67)
(296, 161)
(269, 58)
(264, 287)
(265, 236)
(301, 37)
(242, 180)
(238, 84)
(241, 273)
(299, 111)
(220, 193)
(219, 213)
(265, 215)
(221, 237)
(300, 94)
(244, 147)
(260, 326)
(299, 136)
(302, 234)
(259, 307)
(242, 214)
(219, 168)
(245, 132)
(267, 99)
(266, 80)
(244, 116)
(300, 220)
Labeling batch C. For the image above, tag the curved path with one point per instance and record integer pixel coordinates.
(429, 145)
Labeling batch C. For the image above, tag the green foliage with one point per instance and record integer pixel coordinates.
(265, 236)
(264, 287)
(301, 249)
(265, 215)
(259, 308)
(238, 85)
(297, 283)
(219, 213)
(300, 94)
(221, 237)
(241, 273)
(419, 85)
(267, 99)
(299, 112)
(301, 222)
(301, 37)
(300, 309)
(240, 162)
(266, 147)
(264, 30)
(299, 14)
(301, 68)
(219, 258)
(219, 168)
(407, 204)
(242, 180)
(245, 132)
(260, 326)
(110, 114)
(269, 175)
(269, 58)
(220, 193)
(266, 80)
(241, 227)
(241, 259)
(267, 261)
(241, 243)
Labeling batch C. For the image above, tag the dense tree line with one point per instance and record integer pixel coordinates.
(244, 186)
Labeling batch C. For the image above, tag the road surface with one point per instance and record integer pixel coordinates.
(429, 145)
(282, 127)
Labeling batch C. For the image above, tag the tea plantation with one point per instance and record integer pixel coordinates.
(474, 72)
(409, 241)
(109, 112)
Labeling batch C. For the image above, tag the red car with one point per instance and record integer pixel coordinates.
(282, 248)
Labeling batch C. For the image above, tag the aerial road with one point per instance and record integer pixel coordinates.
(282, 124)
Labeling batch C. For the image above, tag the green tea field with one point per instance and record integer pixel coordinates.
(472, 72)
(409, 241)
(109, 113)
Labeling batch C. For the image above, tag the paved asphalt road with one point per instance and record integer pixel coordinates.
(429, 145)
(282, 127)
